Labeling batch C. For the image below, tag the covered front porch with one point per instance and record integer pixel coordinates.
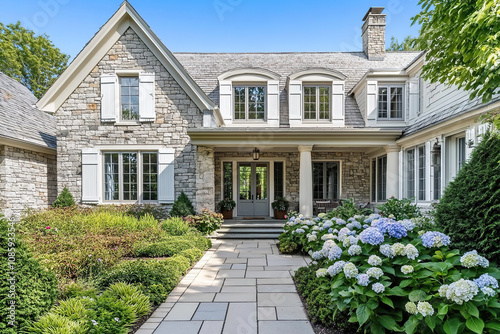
(301, 166)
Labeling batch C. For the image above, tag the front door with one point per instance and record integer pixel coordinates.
(253, 189)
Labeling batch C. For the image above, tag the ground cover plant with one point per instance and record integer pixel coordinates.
(91, 250)
(397, 276)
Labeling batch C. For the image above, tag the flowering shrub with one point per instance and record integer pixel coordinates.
(206, 222)
(394, 276)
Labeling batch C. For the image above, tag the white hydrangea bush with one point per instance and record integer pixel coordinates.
(393, 276)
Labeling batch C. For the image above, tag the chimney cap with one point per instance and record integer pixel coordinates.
(374, 10)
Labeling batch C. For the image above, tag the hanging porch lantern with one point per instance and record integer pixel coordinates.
(256, 154)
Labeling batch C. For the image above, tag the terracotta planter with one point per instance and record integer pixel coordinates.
(227, 214)
(279, 214)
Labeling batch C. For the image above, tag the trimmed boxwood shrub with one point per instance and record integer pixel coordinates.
(193, 254)
(176, 226)
(320, 307)
(469, 211)
(35, 287)
(162, 248)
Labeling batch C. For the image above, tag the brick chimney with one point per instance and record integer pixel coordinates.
(373, 33)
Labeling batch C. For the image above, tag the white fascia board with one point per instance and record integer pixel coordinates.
(380, 75)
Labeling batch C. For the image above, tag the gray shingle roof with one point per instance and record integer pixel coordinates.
(20, 119)
(204, 68)
(441, 115)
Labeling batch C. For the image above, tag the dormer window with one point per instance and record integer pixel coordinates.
(317, 103)
(390, 102)
(249, 96)
(316, 98)
(249, 103)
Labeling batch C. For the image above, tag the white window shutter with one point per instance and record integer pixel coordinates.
(371, 100)
(338, 104)
(166, 186)
(295, 102)
(147, 112)
(226, 100)
(273, 102)
(109, 98)
(90, 175)
(414, 96)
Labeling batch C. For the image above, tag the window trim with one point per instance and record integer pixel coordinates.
(330, 111)
(246, 85)
(120, 175)
(339, 181)
(403, 105)
(127, 73)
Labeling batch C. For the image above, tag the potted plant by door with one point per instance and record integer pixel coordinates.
(280, 206)
(226, 207)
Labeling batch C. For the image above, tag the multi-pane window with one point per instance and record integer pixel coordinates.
(421, 173)
(278, 179)
(374, 180)
(316, 103)
(379, 179)
(150, 176)
(410, 173)
(326, 180)
(382, 179)
(390, 102)
(227, 181)
(128, 175)
(129, 98)
(249, 103)
(460, 152)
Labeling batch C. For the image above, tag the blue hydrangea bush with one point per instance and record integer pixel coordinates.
(394, 276)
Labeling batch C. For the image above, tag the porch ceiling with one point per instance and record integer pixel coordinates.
(282, 138)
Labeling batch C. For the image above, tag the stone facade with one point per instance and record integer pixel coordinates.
(79, 124)
(373, 35)
(355, 178)
(28, 179)
(205, 179)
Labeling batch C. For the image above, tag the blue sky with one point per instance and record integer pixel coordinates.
(218, 25)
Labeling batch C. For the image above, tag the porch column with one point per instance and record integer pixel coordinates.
(205, 179)
(305, 183)
(392, 170)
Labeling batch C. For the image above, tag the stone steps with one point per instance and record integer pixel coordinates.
(251, 229)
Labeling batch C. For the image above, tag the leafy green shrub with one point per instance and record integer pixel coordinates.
(391, 276)
(399, 208)
(156, 277)
(54, 323)
(348, 209)
(321, 310)
(112, 312)
(141, 210)
(131, 296)
(32, 287)
(64, 199)
(163, 248)
(469, 210)
(193, 255)
(286, 245)
(176, 226)
(182, 207)
(79, 288)
(206, 222)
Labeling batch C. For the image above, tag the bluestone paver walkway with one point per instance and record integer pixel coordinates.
(238, 287)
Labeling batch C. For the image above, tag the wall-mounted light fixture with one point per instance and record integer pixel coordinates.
(256, 154)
